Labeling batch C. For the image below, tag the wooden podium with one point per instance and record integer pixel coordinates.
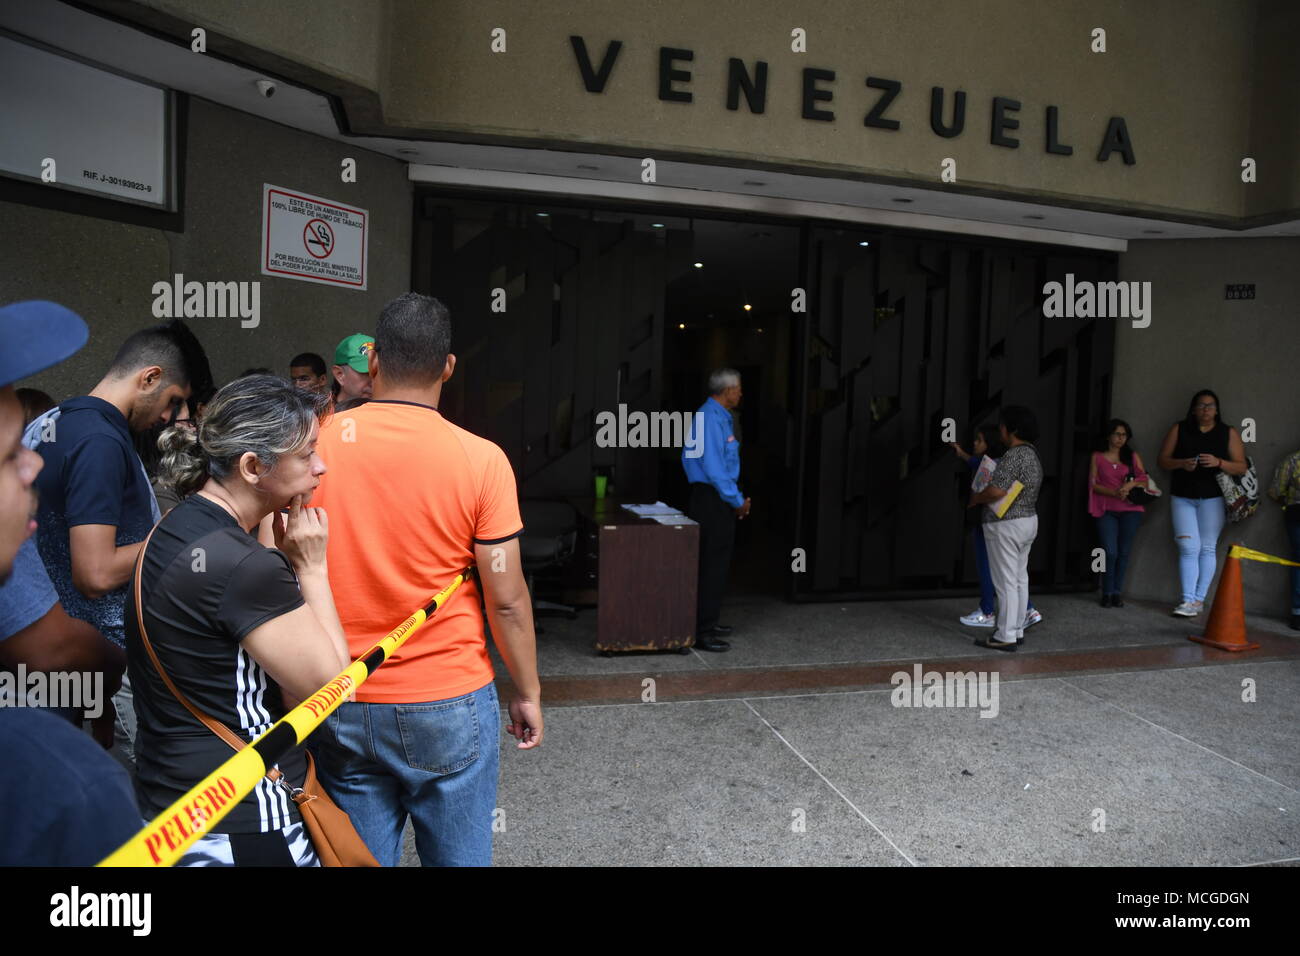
(646, 573)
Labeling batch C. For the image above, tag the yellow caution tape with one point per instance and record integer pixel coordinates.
(169, 835)
(1241, 551)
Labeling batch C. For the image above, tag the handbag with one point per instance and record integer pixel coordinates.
(1143, 496)
(333, 836)
(1240, 492)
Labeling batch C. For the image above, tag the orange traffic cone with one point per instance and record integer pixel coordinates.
(1227, 627)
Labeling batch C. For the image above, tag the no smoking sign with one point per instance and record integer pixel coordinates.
(318, 237)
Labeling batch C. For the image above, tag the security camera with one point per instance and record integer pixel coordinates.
(266, 88)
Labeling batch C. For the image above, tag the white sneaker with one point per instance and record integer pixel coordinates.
(978, 618)
(1187, 609)
(1033, 618)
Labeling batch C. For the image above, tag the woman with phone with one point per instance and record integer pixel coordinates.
(1195, 450)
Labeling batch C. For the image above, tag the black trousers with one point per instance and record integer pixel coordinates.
(717, 521)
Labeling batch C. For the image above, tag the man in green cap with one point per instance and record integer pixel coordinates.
(352, 371)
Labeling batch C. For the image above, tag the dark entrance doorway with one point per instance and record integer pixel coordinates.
(562, 312)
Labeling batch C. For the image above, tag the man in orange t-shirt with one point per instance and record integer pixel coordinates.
(412, 500)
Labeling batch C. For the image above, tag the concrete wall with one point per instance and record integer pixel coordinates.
(105, 270)
(1246, 351)
(1201, 85)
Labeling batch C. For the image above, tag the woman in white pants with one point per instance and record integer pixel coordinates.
(1010, 537)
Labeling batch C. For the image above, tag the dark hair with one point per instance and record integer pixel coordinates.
(1020, 422)
(413, 339)
(1126, 450)
(34, 402)
(993, 439)
(264, 414)
(1191, 406)
(172, 347)
(310, 360)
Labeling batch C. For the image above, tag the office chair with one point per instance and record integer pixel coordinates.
(549, 538)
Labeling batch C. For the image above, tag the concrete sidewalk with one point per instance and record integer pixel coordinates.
(761, 756)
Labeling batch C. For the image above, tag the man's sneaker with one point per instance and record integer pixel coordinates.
(1033, 618)
(978, 618)
(1186, 609)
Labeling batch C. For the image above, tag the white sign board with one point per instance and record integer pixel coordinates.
(104, 133)
(313, 239)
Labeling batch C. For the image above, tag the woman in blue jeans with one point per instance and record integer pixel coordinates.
(1116, 469)
(1195, 450)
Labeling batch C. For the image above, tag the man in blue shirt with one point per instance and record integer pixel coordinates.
(96, 502)
(712, 464)
(63, 801)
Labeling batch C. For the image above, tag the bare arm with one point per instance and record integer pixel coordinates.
(510, 614)
(57, 642)
(1235, 463)
(297, 652)
(98, 564)
(990, 494)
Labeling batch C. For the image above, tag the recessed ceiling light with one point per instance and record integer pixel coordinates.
(760, 330)
(900, 199)
(748, 307)
(864, 243)
(1034, 215)
(542, 215)
(699, 265)
(656, 225)
(681, 325)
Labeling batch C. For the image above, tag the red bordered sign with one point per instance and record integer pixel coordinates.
(313, 239)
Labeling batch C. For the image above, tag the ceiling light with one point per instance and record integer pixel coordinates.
(864, 243)
(656, 225)
(543, 215)
(681, 325)
(748, 307)
(699, 265)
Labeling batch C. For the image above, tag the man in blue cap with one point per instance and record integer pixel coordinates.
(66, 802)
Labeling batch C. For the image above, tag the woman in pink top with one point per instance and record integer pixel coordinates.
(1115, 470)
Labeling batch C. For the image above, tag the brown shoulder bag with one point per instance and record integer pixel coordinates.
(335, 839)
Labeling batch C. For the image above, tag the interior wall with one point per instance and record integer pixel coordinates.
(105, 271)
(1246, 351)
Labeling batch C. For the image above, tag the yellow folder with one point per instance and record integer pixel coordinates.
(1006, 501)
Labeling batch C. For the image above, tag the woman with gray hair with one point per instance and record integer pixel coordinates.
(240, 631)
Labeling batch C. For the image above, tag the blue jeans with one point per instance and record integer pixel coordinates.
(1293, 530)
(1198, 523)
(1116, 530)
(435, 762)
(988, 599)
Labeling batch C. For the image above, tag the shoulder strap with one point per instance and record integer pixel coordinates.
(214, 725)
